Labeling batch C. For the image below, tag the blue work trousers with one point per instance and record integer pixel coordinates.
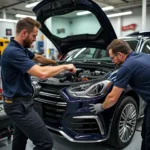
(28, 125)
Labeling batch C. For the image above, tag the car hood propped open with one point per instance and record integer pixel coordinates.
(50, 8)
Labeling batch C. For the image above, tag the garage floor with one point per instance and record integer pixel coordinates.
(61, 143)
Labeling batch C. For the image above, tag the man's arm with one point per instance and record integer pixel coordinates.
(123, 77)
(41, 59)
(112, 97)
(110, 100)
(50, 71)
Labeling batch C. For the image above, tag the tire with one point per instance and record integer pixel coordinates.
(124, 122)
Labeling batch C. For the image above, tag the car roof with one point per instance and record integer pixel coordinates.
(140, 33)
(134, 37)
(129, 38)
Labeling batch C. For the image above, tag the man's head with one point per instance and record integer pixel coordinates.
(118, 51)
(27, 30)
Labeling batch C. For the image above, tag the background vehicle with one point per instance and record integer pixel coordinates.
(140, 33)
(63, 101)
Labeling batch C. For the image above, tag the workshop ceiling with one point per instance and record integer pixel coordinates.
(18, 6)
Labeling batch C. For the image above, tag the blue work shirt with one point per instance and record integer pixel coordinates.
(15, 62)
(135, 71)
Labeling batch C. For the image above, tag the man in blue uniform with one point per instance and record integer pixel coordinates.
(135, 71)
(17, 67)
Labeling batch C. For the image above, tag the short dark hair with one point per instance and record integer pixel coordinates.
(28, 24)
(118, 45)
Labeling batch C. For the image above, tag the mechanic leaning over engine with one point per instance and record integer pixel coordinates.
(135, 71)
(17, 67)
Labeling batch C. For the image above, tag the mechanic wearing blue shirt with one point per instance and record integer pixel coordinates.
(17, 67)
(135, 71)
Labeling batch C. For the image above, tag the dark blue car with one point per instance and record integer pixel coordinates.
(63, 101)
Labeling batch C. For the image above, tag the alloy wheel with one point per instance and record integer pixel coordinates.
(127, 122)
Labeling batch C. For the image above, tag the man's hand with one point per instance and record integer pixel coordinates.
(96, 108)
(70, 68)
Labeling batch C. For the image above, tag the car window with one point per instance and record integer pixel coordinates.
(146, 47)
(73, 24)
(132, 44)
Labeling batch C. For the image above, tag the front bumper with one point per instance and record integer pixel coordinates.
(71, 119)
(71, 139)
(86, 128)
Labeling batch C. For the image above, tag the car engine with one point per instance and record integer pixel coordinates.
(67, 78)
(81, 75)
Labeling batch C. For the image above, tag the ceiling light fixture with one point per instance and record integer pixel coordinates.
(88, 12)
(31, 5)
(107, 8)
(24, 16)
(83, 13)
(119, 14)
(9, 20)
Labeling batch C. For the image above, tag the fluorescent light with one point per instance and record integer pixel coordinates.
(24, 16)
(107, 8)
(83, 13)
(9, 20)
(119, 14)
(88, 12)
(31, 5)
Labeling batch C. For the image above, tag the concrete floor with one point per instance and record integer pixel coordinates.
(63, 144)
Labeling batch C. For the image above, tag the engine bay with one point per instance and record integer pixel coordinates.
(67, 78)
(82, 75)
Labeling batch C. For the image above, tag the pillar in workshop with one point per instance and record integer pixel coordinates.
(119, 27)
(4, 13)
(144, 14)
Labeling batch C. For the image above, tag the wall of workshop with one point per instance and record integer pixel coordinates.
(84, 24)
(6, 25)
(136, 18)
(61, 23)
(76, 25)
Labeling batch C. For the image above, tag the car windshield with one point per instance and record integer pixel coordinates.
(95, 54)
(90, 54)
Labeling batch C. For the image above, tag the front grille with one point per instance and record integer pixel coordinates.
(53, 105)
(84, 126)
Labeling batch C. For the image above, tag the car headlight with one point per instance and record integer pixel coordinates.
(36, 88)
(90, 90)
